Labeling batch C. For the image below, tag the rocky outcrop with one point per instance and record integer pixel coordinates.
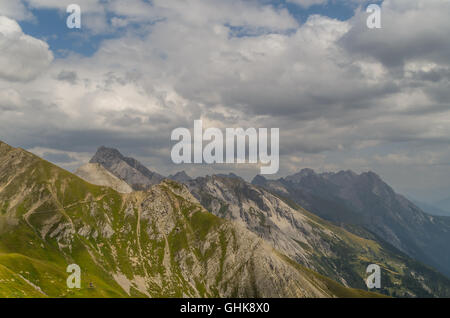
(181, 177)
(127, 169)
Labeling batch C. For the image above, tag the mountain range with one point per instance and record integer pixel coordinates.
(155, 243)
(136, 233)
(431, 208)
(310, 239)
(365, 205)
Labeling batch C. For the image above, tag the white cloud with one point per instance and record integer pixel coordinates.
(10, 100)
(66, 159)
(412, 30)
(247, 14)
(14, 9)
(23, 57)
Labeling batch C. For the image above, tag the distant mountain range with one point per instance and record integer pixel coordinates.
(443, 205)
(366, 205)
(431, 208)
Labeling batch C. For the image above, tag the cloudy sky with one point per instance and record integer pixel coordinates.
(344, 96)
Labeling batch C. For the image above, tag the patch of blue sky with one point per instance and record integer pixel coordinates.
(50, 25)
(336, 9)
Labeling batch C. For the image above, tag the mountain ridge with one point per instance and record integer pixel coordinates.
(125, 168)
(348, 199)
(180, 176)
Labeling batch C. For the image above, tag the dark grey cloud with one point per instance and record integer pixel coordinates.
(434, 75)
(411, 30)
(68, 76)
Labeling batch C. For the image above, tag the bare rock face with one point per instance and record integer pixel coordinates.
(264, 214)
(127, 169)
(96, 174)
(181, 177)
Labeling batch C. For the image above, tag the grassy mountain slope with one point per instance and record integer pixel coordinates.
(158, 243)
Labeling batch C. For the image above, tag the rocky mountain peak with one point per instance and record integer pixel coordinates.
(105, 156)
(348, 173)
(304, 173)
(181, 176)
(372, 176)
(259, 180)
(127, 169)
(373, 182)
(230, 175)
